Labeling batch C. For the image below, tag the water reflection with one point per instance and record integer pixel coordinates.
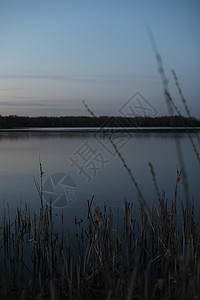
(19, 165)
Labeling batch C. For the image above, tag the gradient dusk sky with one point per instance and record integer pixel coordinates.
(54, 54)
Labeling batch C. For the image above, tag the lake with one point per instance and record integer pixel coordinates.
(80, 164)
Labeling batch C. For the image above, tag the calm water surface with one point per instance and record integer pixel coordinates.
(79, 165)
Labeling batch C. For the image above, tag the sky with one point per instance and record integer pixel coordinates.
(54, 54)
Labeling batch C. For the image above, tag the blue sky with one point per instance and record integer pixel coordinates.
(54, 54)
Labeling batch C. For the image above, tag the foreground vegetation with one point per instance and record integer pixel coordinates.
(151, 256)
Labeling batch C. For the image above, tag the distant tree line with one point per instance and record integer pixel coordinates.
(9, 122)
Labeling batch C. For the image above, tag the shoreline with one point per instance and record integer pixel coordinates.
(103, 129)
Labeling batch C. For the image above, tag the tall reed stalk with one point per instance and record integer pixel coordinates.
(151, 256)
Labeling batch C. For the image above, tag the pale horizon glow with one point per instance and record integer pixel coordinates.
(54, 54)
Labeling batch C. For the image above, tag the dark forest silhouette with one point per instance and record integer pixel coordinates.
(9, 122)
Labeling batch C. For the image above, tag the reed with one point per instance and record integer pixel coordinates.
(151, 256)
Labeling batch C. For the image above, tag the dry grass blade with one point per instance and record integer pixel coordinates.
(133, 262)
(171, 105)
(154, 180)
